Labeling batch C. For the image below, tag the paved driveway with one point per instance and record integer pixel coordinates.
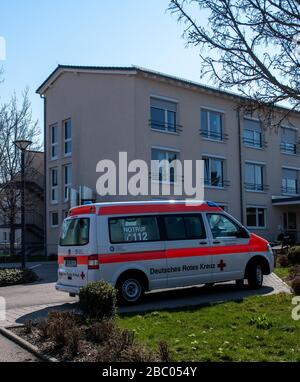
(30, 302)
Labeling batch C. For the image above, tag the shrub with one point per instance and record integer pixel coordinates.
(294, 255)
(59, 326)
(43, 328)
(283, 261)
(73, 341)
(98, 300)
(164, 352)
(28, 327)
(101, 331)
(296, 285)
(14, 276)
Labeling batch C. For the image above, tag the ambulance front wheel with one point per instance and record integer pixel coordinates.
(130, 290)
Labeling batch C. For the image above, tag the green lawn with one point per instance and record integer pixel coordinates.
(282, 272)
(257, 329)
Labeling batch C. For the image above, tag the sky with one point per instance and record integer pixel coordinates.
(40, 35)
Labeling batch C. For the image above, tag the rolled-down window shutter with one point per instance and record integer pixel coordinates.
(162, 104)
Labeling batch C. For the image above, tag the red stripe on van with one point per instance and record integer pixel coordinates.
(156, 208)
(82, 210)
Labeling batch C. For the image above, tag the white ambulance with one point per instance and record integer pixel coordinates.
(142, 246)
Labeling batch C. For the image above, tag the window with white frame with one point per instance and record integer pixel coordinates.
(252, 133)
(54, 219)
(211, 124)
(288, 140)
(289, 181)
(67, 181)
(256, 217)
(67, 137)
(213, 172)
(254, 176)
(162, 168)
(163, 115)
(54, 141)
(54, 185)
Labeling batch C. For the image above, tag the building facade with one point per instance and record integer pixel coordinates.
(93, 113)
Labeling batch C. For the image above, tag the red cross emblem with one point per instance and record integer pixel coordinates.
(82, 275)
(221, 265)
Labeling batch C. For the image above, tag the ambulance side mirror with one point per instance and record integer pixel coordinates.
(242, 234)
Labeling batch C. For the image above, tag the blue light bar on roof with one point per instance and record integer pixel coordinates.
(212, 204)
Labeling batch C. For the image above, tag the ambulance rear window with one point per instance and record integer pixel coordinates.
(75, 232)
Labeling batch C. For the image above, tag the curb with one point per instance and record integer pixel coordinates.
(26, 345)
(283, 282)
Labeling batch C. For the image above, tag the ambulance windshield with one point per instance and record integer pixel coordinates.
(75, 232)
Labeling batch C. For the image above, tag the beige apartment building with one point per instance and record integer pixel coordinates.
(93, 113)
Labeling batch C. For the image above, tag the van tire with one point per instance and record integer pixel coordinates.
(255, 275)
(130, 289)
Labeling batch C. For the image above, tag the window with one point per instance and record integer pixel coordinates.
(213, 172)
(256, 217)
(289, 181)
(252, 134)
(163, 170)
(133, 229)
(67, 181)
(5, 237)
(75, 232)
(54, 185)
(67, 137)
(254, 177)
(54, 219)
(211, 125)
(64, 214)
(184, 227)
(289, 221)
(54, 142)
(222, 226)
(288, 140)
(163, 115)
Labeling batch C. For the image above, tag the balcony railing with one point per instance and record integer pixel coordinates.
(256, 187)
(290, 148)
(255, 143)
(165, 126)
(216, 136)
(219, 183)
(289, 190)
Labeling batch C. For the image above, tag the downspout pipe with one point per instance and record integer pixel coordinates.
(241, 168)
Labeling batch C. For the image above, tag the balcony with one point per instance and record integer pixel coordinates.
(258, 187)
(165, 127)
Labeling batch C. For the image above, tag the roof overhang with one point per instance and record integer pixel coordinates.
(286, 201)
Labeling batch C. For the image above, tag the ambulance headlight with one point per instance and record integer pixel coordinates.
(269, 248)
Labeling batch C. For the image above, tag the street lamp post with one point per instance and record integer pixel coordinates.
(22, 145)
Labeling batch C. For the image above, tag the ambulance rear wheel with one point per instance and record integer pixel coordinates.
(130, 290)
(255, 275)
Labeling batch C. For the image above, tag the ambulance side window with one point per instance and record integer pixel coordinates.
(133, 229)
(184, 227)
(223, 226)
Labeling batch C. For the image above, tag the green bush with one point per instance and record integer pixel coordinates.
(98, 300)
(17, 276)
(294, 255)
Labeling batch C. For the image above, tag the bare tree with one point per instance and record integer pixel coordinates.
(15, 123)
(249, 45)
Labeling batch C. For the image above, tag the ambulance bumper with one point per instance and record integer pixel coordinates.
(67, 288)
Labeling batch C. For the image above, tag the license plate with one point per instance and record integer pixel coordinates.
(70, 262)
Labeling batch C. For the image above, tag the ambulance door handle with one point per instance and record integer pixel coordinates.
(216, 242)
(203, 242)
